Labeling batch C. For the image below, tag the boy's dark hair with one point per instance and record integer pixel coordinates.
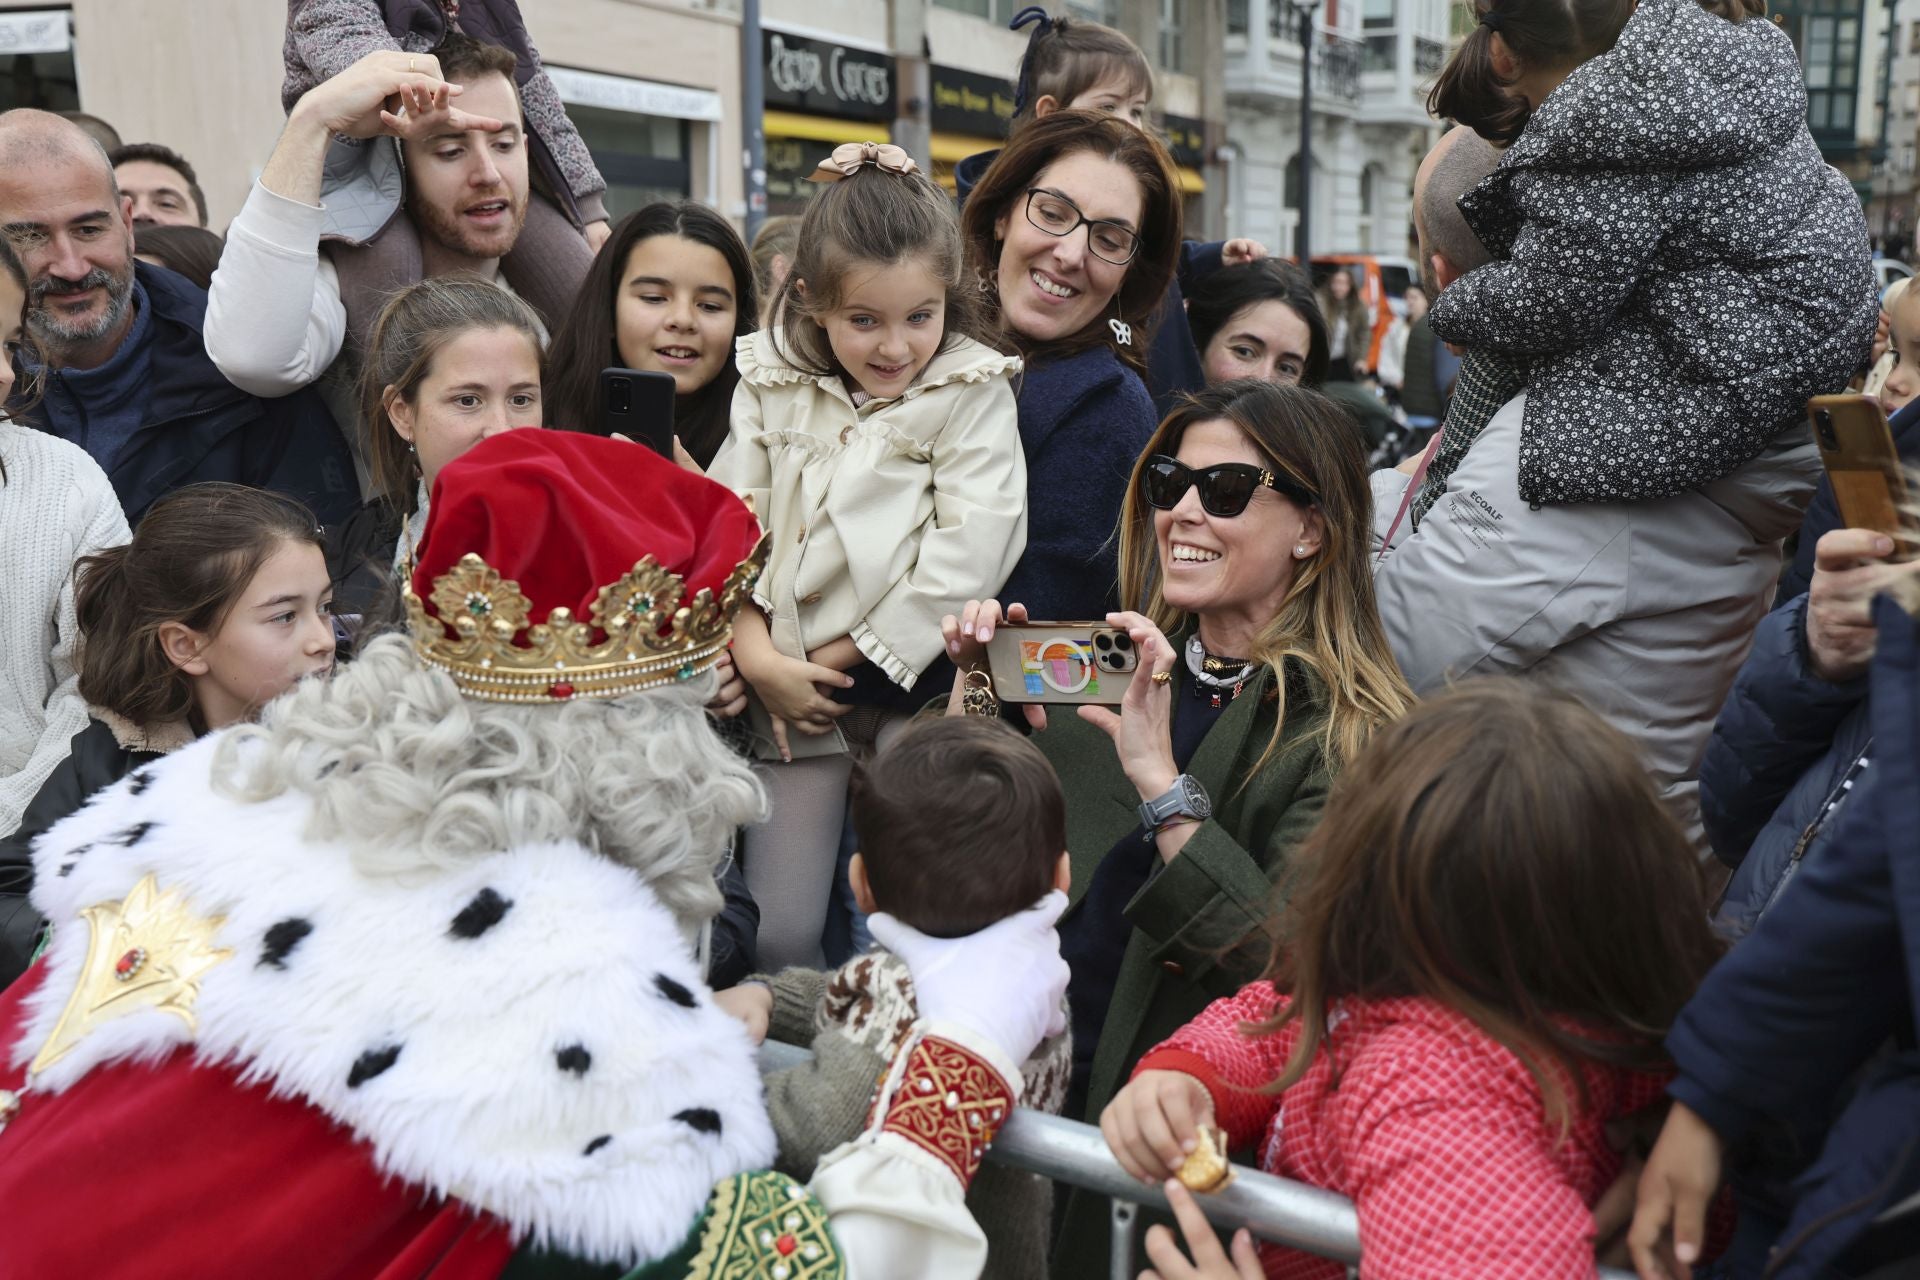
(192, 252)
(155, 153)
(1215, 299)
(960, 824)
(192, 556)
(464, 59)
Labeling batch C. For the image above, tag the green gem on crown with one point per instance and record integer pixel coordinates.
(642, 604)
(479, 606)
(685, 672)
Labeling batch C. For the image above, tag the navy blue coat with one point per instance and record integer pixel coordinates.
(1084, 422)
(1783, 744)
(198, 426)
(1827, 976)
(1823, 515)
(1173, 361)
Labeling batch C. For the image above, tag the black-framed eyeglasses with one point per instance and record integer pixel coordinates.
(1225, 490)
(1058, 216)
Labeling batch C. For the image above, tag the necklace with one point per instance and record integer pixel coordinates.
(1216, 675)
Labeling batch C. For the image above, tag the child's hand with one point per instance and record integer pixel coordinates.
(1210, 1261)
(791, 689)
(1235, 252)
(1153, 1124)
(731, 699)
(1669, 1222)
(752, 1003)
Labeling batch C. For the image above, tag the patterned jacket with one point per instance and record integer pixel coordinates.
(1673, 251)
(1433, 1128)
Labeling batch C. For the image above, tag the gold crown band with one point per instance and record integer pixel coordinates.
(651, 639)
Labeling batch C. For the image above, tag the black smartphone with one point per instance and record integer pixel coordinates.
(639, 406)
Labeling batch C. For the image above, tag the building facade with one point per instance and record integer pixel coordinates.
(653, 85)
(1373, 61)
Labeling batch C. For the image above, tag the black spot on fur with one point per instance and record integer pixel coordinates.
(281, 939)
(597, 1143)
(73, 860)
(673, 991)
(574, 1058)
(700, 1119)
(131, 836)
(480, 915)
(372, 1063)
(139, 781)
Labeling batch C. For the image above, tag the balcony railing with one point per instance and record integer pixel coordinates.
(1429, 56)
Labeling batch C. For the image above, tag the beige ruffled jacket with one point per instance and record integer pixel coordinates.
(884, 517)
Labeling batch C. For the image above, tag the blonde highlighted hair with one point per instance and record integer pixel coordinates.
(1328, 620)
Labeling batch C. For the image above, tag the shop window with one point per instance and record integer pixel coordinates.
(36, 61)
(643, 158)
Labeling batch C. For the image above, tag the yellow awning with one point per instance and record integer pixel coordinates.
(792, 124)
(952, 148)
(1190, 180)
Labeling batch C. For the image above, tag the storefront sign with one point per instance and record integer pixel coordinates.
(642, 97)
(969, 103)
(827, 79)
(35, 31)
(1187, 140)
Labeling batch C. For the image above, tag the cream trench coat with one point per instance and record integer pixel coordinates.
(884, 517)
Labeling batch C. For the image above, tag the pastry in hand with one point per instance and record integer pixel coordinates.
(1206, 1167)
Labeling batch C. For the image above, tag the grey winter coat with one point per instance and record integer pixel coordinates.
(1672, 249)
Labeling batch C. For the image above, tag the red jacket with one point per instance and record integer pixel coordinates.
(175, 1169)
(1434, 1130)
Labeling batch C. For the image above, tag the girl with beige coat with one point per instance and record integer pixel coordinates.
(878, 439)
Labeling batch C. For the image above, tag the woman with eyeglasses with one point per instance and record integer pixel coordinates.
(1263, 669)
(1073, 233)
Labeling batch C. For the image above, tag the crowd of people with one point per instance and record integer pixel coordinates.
(419, 800)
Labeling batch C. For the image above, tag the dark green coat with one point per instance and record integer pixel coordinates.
(1202, 926)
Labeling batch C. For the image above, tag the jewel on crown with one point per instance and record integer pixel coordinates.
(651, 634)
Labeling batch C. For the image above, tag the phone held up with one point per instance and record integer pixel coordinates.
(1857, 450)
(639, 406)
(1075, 663)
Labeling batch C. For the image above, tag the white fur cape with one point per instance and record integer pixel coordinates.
(564, 1069)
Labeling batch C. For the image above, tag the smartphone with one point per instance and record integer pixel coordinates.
(639, 406)
(1061, 662)
(1857, 450)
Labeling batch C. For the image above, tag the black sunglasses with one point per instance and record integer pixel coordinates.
(1225, 490)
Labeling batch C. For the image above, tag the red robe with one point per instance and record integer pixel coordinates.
(94, 1181)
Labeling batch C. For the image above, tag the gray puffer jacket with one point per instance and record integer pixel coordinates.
(1673, 251)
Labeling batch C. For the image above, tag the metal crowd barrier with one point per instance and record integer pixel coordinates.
(1277, 1209)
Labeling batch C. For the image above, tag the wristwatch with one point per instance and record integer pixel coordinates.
(1186, 798)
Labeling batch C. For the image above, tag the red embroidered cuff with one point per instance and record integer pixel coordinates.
(950, 1104)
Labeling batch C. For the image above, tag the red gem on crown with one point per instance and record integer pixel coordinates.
(560, 689)
(786, 1245)
(129, 964)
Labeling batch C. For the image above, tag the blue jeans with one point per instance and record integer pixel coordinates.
(845, 935)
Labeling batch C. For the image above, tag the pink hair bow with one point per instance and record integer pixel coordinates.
(850, 157)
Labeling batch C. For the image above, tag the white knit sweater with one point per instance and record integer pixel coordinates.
(55, 507)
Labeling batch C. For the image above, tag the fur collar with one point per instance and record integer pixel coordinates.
(525, 1032)
(159, 739)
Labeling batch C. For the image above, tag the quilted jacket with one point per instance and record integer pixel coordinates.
(1675, 256)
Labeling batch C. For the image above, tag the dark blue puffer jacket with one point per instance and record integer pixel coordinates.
(1786, 745)
(1827, 977)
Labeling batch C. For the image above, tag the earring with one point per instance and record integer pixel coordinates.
(1122, 331)
(1300, 552)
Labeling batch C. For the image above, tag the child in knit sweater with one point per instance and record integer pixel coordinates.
(1495, 925)
(962, 825)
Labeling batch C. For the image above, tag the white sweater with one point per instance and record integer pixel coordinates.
(55, 507)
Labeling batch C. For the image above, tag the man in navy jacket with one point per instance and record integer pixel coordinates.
(127, 376)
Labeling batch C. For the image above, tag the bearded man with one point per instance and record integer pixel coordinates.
(401, 981)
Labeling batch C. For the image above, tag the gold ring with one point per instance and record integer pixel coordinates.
(413, 64)
(1163, 677)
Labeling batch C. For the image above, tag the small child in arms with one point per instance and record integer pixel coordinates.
(961, 825)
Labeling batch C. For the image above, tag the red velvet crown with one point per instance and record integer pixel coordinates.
(558, 565)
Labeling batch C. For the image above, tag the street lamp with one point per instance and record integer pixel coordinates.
(1303, 231)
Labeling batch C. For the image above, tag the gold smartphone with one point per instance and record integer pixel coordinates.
(1857, 450)
(1076, 663)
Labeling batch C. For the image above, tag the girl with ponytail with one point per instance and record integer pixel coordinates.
(219, 604)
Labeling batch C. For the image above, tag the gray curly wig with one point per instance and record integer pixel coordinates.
(411, 775)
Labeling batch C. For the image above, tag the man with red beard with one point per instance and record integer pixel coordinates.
(275, 321)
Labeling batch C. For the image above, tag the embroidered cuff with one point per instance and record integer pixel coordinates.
(950, 1103)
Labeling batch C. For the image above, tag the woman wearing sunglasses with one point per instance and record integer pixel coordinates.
(1263, 670)
(1073, 232)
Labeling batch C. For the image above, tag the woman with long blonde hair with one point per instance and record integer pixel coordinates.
(1263, 670)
